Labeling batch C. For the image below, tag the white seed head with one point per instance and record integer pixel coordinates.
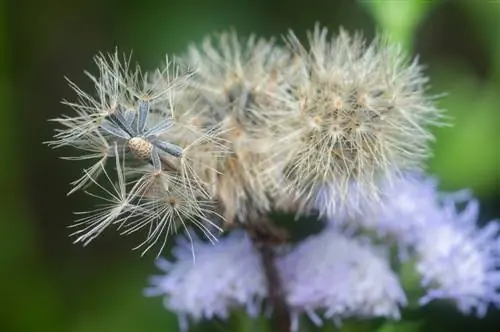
(233, 88)
(134, 112)
(249, 126)
(355, 112)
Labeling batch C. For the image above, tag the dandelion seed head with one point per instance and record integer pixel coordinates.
(233, 86)
(133, 112)
(356, 112)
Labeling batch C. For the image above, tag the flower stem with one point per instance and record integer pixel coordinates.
(264, 236)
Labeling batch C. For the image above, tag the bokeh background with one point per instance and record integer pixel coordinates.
(49, 284)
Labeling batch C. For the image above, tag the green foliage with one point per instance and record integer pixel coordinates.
(404, 326)
(109, 299)
(120, 306)
(399, 18)
(30, 298)
(466, 152)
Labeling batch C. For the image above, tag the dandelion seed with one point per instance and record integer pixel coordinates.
(110, 86)
(112, 114)
(142, 142)
(164, 204)
(116, 208)
(95, 147)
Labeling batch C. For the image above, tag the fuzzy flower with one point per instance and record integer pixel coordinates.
(341, 277)
(459, 261)
(400, 213)
(405, 208)
(354, 112)
(222, 276)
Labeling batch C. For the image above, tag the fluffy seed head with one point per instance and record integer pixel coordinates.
(234, 86)
(356, 111)
(133, 113)
(246, 125)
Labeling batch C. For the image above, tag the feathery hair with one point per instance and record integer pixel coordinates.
(356, 112)
(238, 127)
(234, 87)
(132, 120)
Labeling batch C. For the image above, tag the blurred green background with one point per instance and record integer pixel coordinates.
(48, 284)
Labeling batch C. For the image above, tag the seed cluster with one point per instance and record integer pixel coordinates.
(238, 127)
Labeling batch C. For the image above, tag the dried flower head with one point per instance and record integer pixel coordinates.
(132, 119)
(239, 127)
(354, 113)
(234, 87)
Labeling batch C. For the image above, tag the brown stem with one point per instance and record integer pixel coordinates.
(264, 236)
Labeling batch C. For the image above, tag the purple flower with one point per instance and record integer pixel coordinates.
(458, 260)
(223, 276)
(340, 276)
(406, 208)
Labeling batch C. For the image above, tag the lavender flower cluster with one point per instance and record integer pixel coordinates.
(235, 129)
(340, 273)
